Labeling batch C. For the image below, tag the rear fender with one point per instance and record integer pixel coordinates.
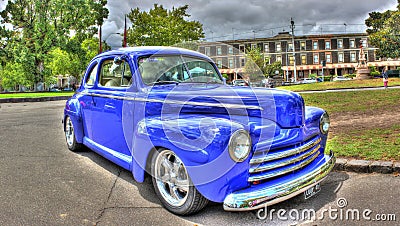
(73, 110)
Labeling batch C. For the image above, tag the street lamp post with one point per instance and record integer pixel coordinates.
(294, 53)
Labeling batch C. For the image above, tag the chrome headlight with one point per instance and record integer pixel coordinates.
(239, 145)
(324, 123)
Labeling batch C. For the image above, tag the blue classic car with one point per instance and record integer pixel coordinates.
(167, 112)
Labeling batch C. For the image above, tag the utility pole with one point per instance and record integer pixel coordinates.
(125, 34)
(100, 41)
(294, 53)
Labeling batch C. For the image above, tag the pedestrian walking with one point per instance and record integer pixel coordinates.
(385, 80)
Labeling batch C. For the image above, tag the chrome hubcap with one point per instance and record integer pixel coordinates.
(172, 178)
(69, 131)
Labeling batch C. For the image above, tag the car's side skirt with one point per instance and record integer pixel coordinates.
(120, 159)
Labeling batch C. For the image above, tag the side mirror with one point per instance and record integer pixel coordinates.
(224, 80)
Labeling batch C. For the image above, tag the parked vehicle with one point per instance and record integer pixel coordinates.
(166, 111)
(240, 82)
(392, 73)
(309, 80)
(341, 78)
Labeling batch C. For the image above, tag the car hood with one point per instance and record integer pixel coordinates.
(283, 107)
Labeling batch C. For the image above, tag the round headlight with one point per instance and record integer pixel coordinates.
(324, 123)
(239, 145)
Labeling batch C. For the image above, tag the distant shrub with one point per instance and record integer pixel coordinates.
(375, 73)
(350, 75)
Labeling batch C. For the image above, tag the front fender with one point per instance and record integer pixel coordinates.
(201, 143)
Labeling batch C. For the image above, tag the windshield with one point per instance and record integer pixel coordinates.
(177, 69)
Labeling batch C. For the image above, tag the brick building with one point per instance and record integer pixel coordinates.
(339, 51)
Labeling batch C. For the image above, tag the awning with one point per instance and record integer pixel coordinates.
(231, 71)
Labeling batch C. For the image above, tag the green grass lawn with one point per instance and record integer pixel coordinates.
(378, 142)
(33, 95)
(341, 84)
(372, 144)
(354, 101)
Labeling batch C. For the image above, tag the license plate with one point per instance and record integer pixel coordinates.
(312, 191)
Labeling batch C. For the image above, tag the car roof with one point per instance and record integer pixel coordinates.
(153, 50)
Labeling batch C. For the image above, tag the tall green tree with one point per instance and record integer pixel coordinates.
(257, 66)
(13, 75)
(162, 27)
(384, 32)
(41, 25)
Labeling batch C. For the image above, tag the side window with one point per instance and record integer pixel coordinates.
(92, 76)
(115, 73)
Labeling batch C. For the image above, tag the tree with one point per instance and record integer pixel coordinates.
(384, 32)
(13, 75)
(41, 25)
(162, 27)
(257, 66)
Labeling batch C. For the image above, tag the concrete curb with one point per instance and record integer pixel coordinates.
(365, 166)
(33, 99)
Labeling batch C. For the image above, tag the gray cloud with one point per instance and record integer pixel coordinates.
(219, 17)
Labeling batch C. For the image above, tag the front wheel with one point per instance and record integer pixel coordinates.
(173, 185)
(72, 144)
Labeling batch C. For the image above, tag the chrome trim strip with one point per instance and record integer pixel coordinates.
(281, 163)
(194, 103)
(282, 171)
(283, 154)
(266, 196)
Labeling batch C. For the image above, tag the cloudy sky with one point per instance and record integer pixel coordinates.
(225, 19)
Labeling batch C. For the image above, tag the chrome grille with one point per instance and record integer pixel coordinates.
(283, 161)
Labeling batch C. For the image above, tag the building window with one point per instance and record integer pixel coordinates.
(242, 62)
(353, 57)
(352, 43)
(303, 59)
(315, 45)
(241, 49)
(340, 57)
(230, 63)
(327, 44)
(328, 58)
(290, 47)
(219, 50)
(340, 44)
(278, 47)
(266, 48)
(303, 45)
(279, 58)
(230, 50)
(219, 63)
(207, 51)
(364, 43)
(253, 46)
(291, 60)
(316, 59)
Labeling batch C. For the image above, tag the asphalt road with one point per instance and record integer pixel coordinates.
(43, 183)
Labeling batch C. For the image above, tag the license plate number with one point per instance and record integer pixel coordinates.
(312, 191)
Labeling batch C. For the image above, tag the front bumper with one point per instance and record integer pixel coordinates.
(270, 193)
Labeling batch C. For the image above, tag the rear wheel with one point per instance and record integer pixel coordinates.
(173, 185)
(72, 144)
